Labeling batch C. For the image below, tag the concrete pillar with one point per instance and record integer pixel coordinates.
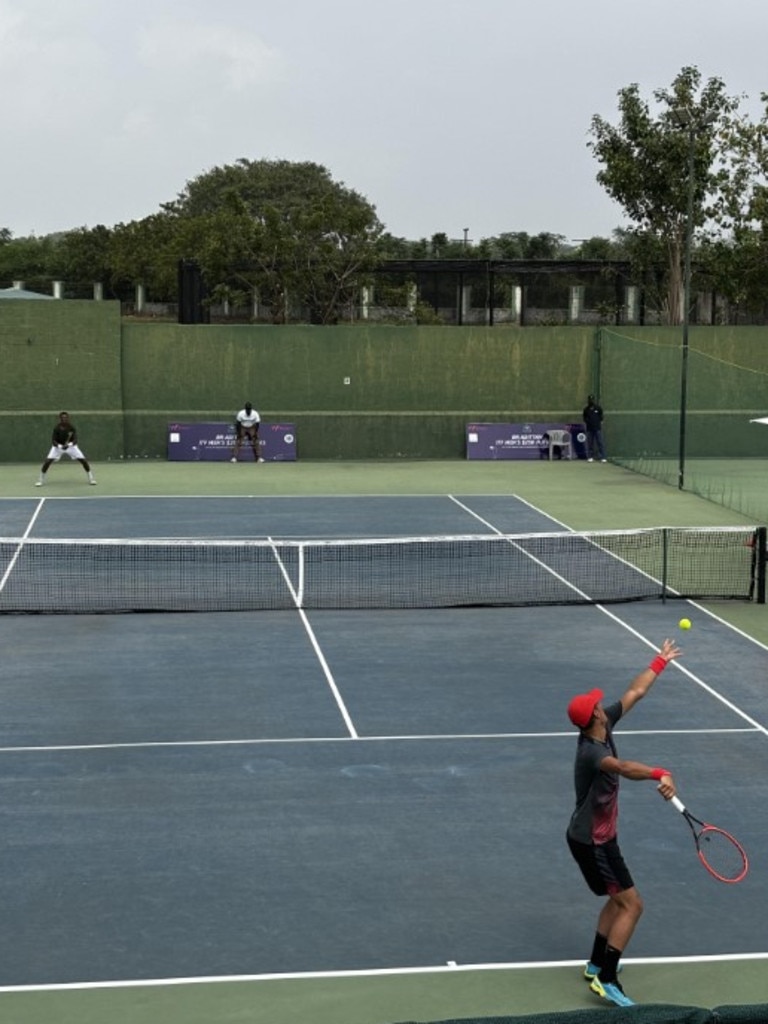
(141, 297)
(413, 298)
(58, 289)
(18, 285)
(704, 308)
(98, 291)
(255, 303)
(465, 298)
(575, 303)
(515, 303)
(632, 303)
(366, 298)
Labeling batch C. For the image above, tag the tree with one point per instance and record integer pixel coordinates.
(147, 252)
(736, 253)
(391, 247)
(519, 245)
(31, 260)
(599, 248)
(83, 255)
(645, 165)
(285, 228)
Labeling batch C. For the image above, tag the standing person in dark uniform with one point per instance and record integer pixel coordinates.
(592, 833)
(593, 422)
(247, 428)
(64, 441)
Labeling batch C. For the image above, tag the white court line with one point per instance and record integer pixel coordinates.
(625, 625)
(693, 604)
(17, 552)
(315, 644)
(261, 497)
(448, 968)
(729, 625)
(415, 737)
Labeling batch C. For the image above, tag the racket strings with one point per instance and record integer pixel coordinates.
(722, 855)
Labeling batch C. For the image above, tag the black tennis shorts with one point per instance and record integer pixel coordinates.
(602, 865)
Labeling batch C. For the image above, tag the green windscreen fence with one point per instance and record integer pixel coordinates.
(724, 453)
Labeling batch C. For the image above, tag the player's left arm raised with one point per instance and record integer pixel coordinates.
(642, 683)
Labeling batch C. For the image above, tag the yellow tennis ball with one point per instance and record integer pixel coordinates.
(684, 623)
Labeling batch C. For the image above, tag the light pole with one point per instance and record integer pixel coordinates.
(686, 302)
(685, 118)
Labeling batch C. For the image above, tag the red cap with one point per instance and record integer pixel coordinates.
(581, 708)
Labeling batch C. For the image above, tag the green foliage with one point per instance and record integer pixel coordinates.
(519, 245)
(307, 244)
(83, 255)
(598, 248)
(390, 247)
(146, 251)
(735, 252)
(32, 260)
(286, 229)
(646, 159)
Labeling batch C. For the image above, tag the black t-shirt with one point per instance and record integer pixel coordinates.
(64, 434)
(597, 792)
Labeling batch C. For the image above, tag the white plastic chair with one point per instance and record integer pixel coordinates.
(560, 439)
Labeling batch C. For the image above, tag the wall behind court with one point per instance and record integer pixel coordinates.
(59, 355)
(411, 390)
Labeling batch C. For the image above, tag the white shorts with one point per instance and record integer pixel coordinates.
(72, 451)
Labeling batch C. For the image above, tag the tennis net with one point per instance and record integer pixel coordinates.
(110, 576)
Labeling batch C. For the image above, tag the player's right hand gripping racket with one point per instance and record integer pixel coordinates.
(723, 856)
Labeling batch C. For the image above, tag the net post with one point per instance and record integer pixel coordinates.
(760, 545)
(664, 563)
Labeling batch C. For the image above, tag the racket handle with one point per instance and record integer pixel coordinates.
(677, 804)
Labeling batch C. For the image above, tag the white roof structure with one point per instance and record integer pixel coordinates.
(21, 293)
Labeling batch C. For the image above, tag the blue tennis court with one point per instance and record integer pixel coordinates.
(229, 794)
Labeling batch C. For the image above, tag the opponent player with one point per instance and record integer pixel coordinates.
(64, 441)
(247, 427)
(592, 830)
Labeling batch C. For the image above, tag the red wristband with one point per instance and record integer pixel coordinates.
(658, 664)
(659, 773)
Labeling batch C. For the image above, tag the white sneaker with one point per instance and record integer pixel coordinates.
(260, 460)
(590, 460)
(38, 483)
(92, 482)
(233, 460)
(603, 460)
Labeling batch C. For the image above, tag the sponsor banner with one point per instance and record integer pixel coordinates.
(213, 442)
(519, 440)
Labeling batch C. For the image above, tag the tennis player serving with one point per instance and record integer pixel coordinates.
(64, 442)
(592, 836)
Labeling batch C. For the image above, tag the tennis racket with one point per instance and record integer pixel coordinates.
(723, 856)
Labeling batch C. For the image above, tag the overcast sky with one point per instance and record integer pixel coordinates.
(445, 114)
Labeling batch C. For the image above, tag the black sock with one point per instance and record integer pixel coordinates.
(598, 950)
(610, 965)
